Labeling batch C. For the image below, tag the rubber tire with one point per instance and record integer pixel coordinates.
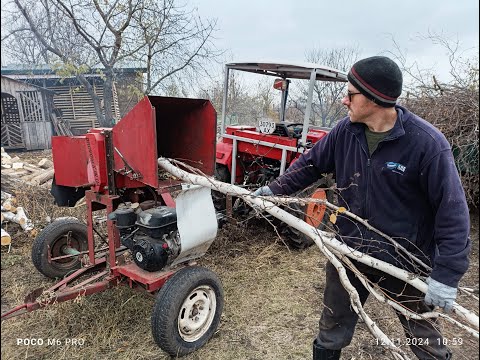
(219, 199)
(51, 234)
(167, 306)
(294, 238)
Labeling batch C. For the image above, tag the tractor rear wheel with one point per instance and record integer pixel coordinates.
(313, 214)
(187, 310)
(219, 199)
(53, 241)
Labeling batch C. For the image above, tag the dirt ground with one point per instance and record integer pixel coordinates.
(273, 299)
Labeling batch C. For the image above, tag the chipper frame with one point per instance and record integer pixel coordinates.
(150, 240)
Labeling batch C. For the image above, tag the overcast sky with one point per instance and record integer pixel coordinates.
(285, 30)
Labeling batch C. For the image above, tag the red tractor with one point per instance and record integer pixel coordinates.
(254, 156)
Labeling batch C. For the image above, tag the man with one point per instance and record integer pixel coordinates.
(397, 171)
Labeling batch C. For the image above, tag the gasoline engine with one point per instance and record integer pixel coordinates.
(151, 235)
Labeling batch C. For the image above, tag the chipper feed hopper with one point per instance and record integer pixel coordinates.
(151, 240)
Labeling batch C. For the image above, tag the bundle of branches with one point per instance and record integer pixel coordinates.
(339, 254)
(454, 110)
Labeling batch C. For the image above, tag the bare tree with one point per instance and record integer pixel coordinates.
(244, 105)
(268, 98)
(172, 40)
(326, 106)
(463, 67)
(452, 106)
(83, 35)
(80, 35)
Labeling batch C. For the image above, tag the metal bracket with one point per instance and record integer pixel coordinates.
(135, 174)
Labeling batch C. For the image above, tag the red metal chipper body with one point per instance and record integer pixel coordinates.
(118, 166)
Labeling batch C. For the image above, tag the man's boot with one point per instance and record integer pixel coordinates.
(320, 353)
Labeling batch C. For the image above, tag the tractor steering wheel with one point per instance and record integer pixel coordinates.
(296, 134)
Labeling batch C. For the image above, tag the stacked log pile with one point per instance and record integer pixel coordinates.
(13, 213)
(40, 174)
(15, 173)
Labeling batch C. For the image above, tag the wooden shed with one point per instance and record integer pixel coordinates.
(25, 113)
(72, 101)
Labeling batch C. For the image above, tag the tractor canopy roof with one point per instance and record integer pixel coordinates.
(290, 70)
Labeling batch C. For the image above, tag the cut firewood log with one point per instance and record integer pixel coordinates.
(6, 238)
(19, 173)
(19, 218)
(5, 195)
(10, 183)
(4, 154)
(32, 175)
(45, 163)
(9, 204)
(9, 208)
(31, 167)
(17, 165)
(45, 176)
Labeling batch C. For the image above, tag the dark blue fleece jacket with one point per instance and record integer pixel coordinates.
(408, 188)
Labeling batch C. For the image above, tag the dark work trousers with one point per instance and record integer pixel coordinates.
(338, 319)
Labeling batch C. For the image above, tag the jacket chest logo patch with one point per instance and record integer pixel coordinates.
(396, 167)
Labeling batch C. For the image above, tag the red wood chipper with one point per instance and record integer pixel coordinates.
(151, 243)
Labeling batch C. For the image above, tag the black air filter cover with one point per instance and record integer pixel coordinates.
(157, 217)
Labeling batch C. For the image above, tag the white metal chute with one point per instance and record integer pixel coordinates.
(196, 221)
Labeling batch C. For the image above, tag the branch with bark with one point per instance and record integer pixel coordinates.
(336, 251)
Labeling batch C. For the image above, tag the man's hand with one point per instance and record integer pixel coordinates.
(263, 191)
(441, 295)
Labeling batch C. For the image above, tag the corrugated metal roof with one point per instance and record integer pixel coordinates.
(28, 84)
(46, 70)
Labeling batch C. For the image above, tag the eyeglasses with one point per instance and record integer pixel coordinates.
(350, 94)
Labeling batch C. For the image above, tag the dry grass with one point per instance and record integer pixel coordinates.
(273, 299)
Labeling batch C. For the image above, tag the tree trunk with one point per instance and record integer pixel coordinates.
(108, 98)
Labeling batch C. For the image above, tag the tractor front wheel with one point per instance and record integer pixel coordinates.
(59, 238)
(187, 310)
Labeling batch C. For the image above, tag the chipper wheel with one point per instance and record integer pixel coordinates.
(187, 310)
(313, 214)
(61, 237)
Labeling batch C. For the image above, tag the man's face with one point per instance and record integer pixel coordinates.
(359, 107)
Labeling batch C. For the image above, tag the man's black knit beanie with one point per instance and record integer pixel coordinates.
(378, 78)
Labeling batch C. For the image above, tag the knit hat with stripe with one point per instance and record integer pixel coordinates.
(378, 78)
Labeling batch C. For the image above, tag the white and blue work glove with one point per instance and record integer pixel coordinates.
(441, 295)
(263, 191)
